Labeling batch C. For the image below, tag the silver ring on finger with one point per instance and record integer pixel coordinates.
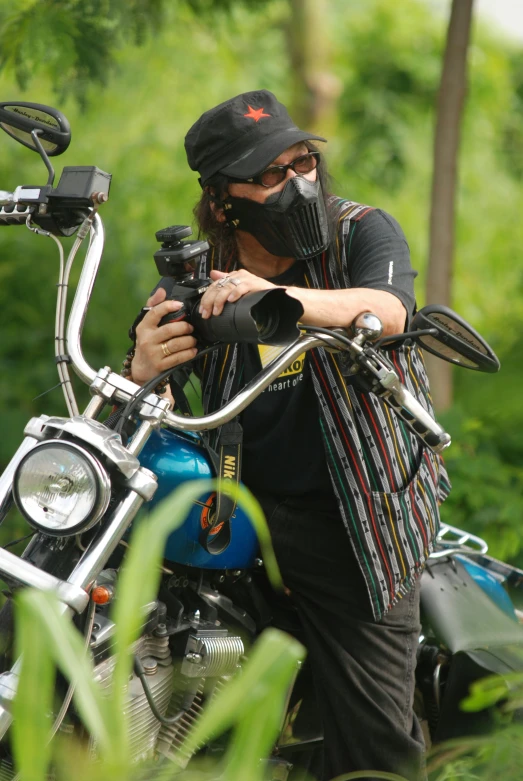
(223, 281)
(165, 349)
(235, 281)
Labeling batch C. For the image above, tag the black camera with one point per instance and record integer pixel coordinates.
(266, 317)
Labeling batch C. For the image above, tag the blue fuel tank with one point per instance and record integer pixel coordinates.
(175, 459)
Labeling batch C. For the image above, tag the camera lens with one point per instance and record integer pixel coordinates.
(266, 320)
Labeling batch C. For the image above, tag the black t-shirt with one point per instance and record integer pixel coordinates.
(283, 450)
(378, 257)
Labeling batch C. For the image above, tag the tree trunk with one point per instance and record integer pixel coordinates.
(451, 100)
(315, 87)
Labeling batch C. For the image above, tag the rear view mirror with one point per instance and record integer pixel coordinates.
(19, 120)
(455, 340)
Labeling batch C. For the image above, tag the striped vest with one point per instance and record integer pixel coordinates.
(388, 484)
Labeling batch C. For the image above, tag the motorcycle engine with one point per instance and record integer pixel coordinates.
(184, 668)
(155, 656)
(187, 655)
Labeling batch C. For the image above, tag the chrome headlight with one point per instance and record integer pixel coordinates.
(61, 488)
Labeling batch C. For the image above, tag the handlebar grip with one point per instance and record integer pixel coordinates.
(15, 214)
(418, 419)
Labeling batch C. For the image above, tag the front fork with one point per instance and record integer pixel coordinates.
(74, 592)
(141, 485)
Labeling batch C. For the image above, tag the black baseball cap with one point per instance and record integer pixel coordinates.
(242, 136)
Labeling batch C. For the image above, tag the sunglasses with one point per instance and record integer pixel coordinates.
(277, 173)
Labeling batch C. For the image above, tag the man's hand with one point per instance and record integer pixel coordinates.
(237, 284)
(158, 349)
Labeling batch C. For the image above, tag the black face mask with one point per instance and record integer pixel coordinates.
(291, 223)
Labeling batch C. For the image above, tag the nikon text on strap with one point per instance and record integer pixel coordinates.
(217, 536)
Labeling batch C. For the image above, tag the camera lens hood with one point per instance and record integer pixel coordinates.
(266, 317)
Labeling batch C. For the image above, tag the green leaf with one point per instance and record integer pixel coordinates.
(34, 699)
(485, 693)
(255, 734)
(56, 634)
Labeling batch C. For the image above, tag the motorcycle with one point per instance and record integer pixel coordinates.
(213, 600)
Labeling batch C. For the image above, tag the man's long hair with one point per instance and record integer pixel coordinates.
(221, 234)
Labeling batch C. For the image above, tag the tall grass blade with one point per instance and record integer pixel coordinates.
(256, 732)
(253, 509)
(55, 634)
(34, 699)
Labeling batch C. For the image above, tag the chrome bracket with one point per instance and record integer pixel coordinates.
(144, 483)
(106, 442)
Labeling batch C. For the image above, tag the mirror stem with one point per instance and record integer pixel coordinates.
(406, 335)
(43, 155)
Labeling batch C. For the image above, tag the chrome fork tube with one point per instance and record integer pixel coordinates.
(22, 572)
(95, 557)
(94, 407)
(140, 438)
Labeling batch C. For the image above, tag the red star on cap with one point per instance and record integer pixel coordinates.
(255, 113)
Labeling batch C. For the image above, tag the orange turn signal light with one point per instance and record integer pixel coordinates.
(101, 595)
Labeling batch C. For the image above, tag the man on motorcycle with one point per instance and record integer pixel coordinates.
(350, 495)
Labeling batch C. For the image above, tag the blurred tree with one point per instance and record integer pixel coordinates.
(388, 58)
(71, 42)
(74, 43)
(315, 86)
(512, 143)
(451, 99)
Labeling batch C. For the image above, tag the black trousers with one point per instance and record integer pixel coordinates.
(363, 670)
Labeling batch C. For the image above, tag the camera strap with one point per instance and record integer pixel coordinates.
(138, 319)
(225, 459)
(217, 535)
(181, 402)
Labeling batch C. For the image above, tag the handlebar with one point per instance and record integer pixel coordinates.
(81, 300)
(396, 396)
(14, 214)
(416, 416)
(14, 206)
(393, 392)
(251, 390)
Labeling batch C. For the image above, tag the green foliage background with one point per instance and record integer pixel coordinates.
(130, 108)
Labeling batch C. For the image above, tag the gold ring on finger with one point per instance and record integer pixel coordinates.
(165, 349)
